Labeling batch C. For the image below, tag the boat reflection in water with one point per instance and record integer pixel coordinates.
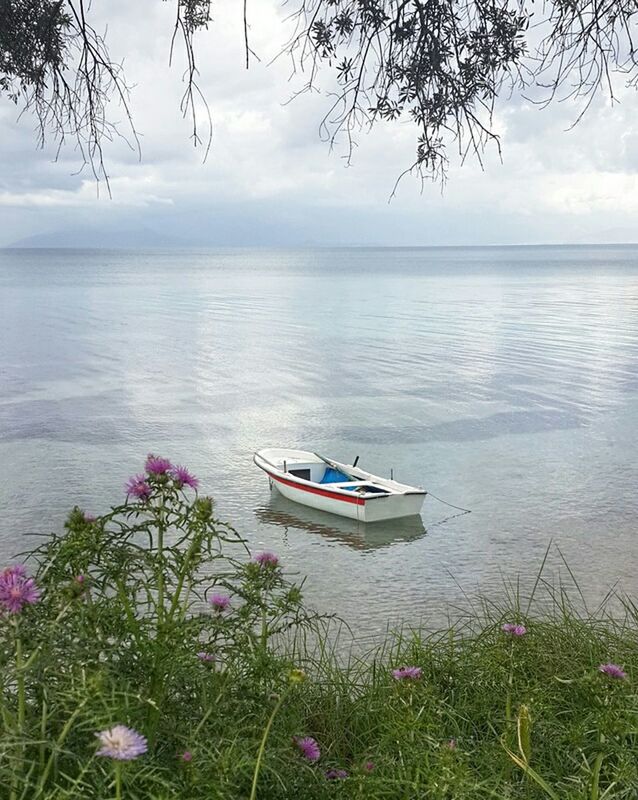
(359, 535)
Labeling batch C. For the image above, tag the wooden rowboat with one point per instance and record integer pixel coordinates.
(343, 489)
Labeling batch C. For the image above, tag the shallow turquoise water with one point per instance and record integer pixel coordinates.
(504, 380)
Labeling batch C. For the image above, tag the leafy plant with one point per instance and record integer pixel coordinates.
(152, 657)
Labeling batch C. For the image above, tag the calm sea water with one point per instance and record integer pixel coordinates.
(505, 380)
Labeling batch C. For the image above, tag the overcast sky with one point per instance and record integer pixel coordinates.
(270, 180)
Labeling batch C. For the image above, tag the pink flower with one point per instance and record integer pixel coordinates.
(266, 559)
(613, 670)
(368, 766)
(16, 589)
(187, 756)
(219, 602)
(121, 743)
(207, 657)
(138, 487)
(156, 465)
(16, 569)
(407, 673)
(336, 774)
(513, 629)
(308, 747)
(182, 477)
(89, 517)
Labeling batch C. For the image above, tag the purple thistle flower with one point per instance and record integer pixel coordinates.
(207, 657)
(16, 569)
(513, 629)
(187, 756)
(407, 673)
(16, 589)
(308, 747)
(368, 766)
(182, 477)
(613, 670)
(155, 465)
(266, 559)
(79, 587)
(121, 743)
(219, 602)
(138, 487)
(89, 517)
(336, 774)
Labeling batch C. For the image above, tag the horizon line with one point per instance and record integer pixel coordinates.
(180, 246)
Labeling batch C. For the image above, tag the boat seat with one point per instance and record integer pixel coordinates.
(362, 487)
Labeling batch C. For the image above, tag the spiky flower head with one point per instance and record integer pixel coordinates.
(121, 743)
(407, 673)
(514, 629)
(336, 774)
(137, 486)
(187, 756)
(183, 477)
(16, 569)
(369, 766)
(266, 559)
(155, 465)
(78, 588)
(613, 670)
(204, 508)
(296, 676)
(17, 589)
(308, 747)
(206, 657)
(219, 602)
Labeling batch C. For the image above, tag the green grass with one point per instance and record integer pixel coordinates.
(529, 716)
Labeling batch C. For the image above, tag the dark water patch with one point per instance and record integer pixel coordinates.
(468, 430)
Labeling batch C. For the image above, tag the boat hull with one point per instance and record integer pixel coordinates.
(373, 510)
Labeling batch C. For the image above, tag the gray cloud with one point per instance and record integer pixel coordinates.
(269, 179)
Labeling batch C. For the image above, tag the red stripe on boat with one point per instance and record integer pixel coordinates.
(358, 501)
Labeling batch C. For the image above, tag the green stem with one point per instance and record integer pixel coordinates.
(15, 779)
(20, 681)
(262, 746)
(510, 683)
(43, 732)
(157, 681)
(195, 544)
(118, 781)
(412, 720)
(595, 780)
(598, 762)
(264, 629)
(62, 613)
(58, 745)
(70, 792)
(160, 568)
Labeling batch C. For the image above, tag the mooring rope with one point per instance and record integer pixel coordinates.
(447, 519)
(451, 505)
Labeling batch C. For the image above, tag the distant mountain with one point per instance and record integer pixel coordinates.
(90, 237)
(618, 236)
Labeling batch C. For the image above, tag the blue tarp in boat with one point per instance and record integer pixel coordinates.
(334, 476)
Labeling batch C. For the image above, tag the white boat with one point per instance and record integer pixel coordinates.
(342, 489)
